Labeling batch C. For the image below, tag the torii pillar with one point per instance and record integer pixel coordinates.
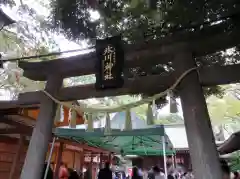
(203, 151)
(42, 133)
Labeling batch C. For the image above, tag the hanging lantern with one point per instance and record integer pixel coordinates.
(154, 108)
(128, 120)
(72, 118)
(150, 118)
(172, 103)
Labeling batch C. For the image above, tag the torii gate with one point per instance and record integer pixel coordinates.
(180, 49)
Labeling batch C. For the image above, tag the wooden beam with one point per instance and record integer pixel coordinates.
(11, 111)
(22, 103)
(85, 65)
(11, 140)
(25, 131)
(209, 76)
(82, 145)
(131, 86)
(19, 128)
(17, 110)
(206, 41)
(219, 75)
(7, 120)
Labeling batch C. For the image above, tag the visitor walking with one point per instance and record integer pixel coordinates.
(135, 173)
(150, 174)
(63, 171)
(105, 173)
(170, 177)
(157, 173)
(236, 175)
(73, 174)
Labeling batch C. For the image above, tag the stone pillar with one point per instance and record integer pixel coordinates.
(204, 156)
(42, 133)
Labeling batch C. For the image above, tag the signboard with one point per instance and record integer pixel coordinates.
(179, 160)
(74, 148)
(110, 62)
(95, 159)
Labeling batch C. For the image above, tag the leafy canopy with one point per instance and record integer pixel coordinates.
(138, 20)
(145, 20)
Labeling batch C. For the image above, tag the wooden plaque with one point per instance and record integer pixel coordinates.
(110, 63)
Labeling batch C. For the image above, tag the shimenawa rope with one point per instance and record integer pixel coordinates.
(83, 109)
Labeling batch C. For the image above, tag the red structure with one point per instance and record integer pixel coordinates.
(16, 129)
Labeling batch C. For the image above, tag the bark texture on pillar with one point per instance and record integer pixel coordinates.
(42, 133)
(204, 156)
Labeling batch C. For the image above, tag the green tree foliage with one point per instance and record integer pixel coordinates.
(143, 20)
(235, 161)
(137, 21)
(10, 42)
(225, 110)
(136, 18)
(169, 119)
(30, 35)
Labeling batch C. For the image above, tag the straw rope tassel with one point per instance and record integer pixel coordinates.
(172, 103)
(128, 120)
(107, 130)
(82, 108)
(57, 117)
(72, 119)
(154, 108)
(90, 122)
(61, 113)
(85, 118)
(150, 115)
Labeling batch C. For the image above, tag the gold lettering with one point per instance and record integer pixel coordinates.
(109, 62)
(108, 50)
